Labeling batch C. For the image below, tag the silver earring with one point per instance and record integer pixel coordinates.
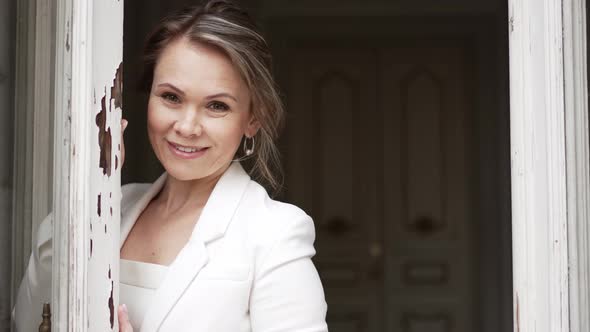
(248, 150)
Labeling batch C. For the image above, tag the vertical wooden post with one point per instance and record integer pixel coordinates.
(549, 148)
(578, 161)
(87, 165)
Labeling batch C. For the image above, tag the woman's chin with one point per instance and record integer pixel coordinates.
(186, 173)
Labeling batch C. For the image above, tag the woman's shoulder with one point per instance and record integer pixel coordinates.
(261, 204)
(277, 232)
(268, 217)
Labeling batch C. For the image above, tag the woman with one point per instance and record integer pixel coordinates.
(205, 248)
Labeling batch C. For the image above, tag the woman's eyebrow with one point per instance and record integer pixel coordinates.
(223, 94)
(177, 90)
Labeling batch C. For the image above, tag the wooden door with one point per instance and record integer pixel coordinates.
(333, 103)
(427, 231)
(375, 152)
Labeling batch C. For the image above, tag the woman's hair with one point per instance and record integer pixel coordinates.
(224, 25)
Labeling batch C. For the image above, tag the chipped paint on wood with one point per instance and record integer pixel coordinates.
(98, 205)
(104, 132)
(117, 87)
(105, 138)
(111, 302)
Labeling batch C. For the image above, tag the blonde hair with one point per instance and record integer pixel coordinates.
(224, 25)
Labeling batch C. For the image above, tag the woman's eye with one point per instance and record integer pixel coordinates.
(171, 97)
(218, 106)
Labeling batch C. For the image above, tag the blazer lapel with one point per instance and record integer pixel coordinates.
(181, 272)
(212, 224)
(136, 204)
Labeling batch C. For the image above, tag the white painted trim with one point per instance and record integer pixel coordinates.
(62, 141)
(540, 233)
(89, 53)
(72, 160)
(550, 165)
(578, 161)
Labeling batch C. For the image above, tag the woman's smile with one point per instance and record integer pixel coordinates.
(187, 152)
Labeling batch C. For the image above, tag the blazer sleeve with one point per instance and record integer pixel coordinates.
(35, 288)
(287, 293)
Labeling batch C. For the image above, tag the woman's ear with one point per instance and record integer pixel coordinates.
(253, 127)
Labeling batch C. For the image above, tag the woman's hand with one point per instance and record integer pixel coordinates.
(124, 124)
(124, 324)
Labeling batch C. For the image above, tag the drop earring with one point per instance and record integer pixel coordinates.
(248, 151)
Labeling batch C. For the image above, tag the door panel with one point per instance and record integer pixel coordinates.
(429, 252)
(332, 102)
(376, 154)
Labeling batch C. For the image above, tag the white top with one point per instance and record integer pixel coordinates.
(138, 284)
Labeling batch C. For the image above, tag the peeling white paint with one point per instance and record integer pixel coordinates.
(86, 258)
(103, 269)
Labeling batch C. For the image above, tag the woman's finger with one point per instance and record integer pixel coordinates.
(124, 323)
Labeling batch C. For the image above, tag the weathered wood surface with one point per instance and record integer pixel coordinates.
(87, 170)
(549, 150)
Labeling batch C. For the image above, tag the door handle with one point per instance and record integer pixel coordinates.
(337, 226)
(425, 225)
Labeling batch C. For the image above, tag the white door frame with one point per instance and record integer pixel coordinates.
(550, 165)
(87, 191)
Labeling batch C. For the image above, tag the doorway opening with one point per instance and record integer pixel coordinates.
(397, 144)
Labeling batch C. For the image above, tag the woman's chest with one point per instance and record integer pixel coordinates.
(158, 240)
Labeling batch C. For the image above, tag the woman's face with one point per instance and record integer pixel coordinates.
(198, 111)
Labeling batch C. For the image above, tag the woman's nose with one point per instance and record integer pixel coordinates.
(189, 125)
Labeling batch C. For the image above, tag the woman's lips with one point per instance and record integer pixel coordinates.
(185, 152)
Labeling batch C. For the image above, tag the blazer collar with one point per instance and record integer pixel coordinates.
(216, 214)
(212, 224)
(222, 204)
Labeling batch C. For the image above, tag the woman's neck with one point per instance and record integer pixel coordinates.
(178, 195)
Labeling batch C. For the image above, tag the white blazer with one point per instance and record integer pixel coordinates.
(246, 267)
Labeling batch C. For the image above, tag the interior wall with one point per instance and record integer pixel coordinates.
(7, 33)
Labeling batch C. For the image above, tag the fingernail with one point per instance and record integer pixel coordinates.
(125, 123)
(125, 308)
